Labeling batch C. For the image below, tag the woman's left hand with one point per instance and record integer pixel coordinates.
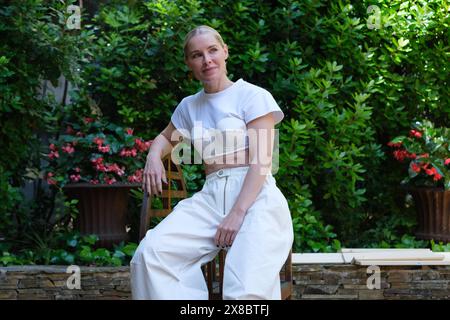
(228, 229)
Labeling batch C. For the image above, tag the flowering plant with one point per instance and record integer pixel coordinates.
(427, 150)
(96, 152)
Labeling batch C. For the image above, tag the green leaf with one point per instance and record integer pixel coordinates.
(398, 139)
(90, 239)
(101, 253)
(129, 249)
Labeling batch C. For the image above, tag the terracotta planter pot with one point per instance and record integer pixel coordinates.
(433, 213)
(102, 210)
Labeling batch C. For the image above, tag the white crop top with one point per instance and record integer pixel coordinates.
(216, 123)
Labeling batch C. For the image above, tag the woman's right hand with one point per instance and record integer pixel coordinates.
(154, 173)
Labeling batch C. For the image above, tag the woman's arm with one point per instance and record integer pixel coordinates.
(261, 136)
(154, 170)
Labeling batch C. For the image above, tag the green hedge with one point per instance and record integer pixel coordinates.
(35, 46)
(345, 86)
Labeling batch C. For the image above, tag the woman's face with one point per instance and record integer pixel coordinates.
(206, 58)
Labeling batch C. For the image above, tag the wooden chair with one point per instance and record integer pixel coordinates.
(213, 271)
(175, 189)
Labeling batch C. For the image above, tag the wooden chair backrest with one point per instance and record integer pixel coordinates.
(175, 189)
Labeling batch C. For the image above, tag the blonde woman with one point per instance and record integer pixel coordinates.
(239, 208)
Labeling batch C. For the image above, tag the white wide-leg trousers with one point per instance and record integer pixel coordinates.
(167, 263)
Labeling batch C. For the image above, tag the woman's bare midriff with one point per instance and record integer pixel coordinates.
(233, 160)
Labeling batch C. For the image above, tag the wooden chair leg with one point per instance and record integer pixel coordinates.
(214, 277)
(222, 255)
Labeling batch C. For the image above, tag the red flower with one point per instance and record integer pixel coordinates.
(415, 133)
(100, 167)
(128, 153)
(68, 148)
(430, 162)
(98, 164)
(415, 167)
(400, 155)
(53, 154)
(49, 179)
(109, 180)
(425, 165)
(115, 168)
(75, 177)
(137, 176)
(98, 141)
(98, 160)
(93, 158)
(141, 145)
(431, 172)
(104, 149)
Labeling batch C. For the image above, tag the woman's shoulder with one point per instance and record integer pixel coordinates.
(188, 100)
(251, 90)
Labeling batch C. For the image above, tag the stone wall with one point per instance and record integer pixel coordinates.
(311, 281)
(347, 281)
(57, 282)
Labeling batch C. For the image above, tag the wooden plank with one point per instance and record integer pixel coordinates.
(160, 212)
(364, 250)
(317, 258)
(398, 256)
(174, 194)
(401, 263)
(349, 254)
(338, 258)
(348, 257)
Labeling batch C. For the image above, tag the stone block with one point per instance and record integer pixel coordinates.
(371, 294)
(431, 285)
(307, 268)
(355, 286)
(328, 297)
(9, 282)
(300, 277)
(323, 289)
(332, 277)
(359, 281)
(35, 283)
(400, 276)
(8, 294)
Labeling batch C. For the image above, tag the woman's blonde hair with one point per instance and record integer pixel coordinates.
(201, 30)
